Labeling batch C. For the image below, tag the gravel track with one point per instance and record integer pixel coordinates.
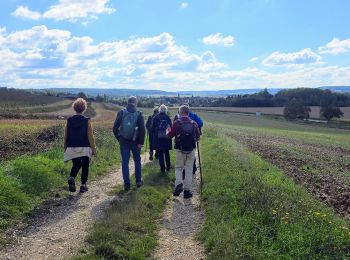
(179, 225)
(60, 230)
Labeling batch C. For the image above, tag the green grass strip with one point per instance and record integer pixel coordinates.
(129, 229)
(254, 211)
(28, 180)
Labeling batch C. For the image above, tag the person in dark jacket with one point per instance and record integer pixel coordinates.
(79, 145)
(161, 143)
(150, 136)
(129, 129)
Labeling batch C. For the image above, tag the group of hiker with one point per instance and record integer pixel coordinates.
(130, 130)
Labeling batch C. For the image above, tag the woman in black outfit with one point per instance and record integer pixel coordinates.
(161, 143)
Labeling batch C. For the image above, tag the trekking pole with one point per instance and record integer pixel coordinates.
(144, 158)
(200, 165)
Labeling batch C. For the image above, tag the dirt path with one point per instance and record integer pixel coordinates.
(179, 225)
(59, 231)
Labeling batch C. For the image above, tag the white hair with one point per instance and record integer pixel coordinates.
(163, 108)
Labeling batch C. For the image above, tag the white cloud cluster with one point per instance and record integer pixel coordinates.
(42, 57)
(219, 39)
(24, 12)
(305, 56)
(335, 47)
(184, 5)
(71, 10)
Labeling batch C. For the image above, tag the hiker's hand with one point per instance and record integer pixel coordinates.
(139, 146)
(94, 152)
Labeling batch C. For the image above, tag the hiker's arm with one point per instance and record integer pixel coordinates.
(65, 138)
(173, 130)
(91, 137)
(142, 131)
(198, 120)
(117, 123)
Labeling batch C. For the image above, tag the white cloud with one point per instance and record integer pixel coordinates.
(219, 39)
(47, 57)
(254, 59)
(335, 47)
(24, 12)
(71, 10)
(184, 5)
(305, 56)
(43, 57)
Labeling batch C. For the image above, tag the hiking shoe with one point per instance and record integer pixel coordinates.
(126, 187)
(178, 190)
(187, 194)
(139, 184)
(71, 184)
(83, 188)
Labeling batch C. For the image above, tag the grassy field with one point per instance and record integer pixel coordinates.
(254, 211)
(315, 111)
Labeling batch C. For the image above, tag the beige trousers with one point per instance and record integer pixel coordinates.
(184, 161)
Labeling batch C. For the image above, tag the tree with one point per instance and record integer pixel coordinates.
(82, 95)
(329, 112)
(296, 110)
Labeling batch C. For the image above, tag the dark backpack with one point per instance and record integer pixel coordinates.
(162, 127)
(186, 138)
(128, 125)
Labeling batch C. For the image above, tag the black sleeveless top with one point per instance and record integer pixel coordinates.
(77, 128)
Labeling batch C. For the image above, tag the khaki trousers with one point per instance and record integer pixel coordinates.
(184, 161)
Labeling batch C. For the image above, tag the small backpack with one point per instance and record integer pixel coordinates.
(128, 125)
(162, 127)
(186, 138)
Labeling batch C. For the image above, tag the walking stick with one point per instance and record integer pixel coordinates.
(144, 158)
(200, 165)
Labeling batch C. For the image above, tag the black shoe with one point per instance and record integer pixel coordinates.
(178, 190)
(139, 184)
(162, 170)
(187, 194)
(71, 184)
(126, 187)
(83, 188)
(156, 156)
(151, 158)
(168, 169)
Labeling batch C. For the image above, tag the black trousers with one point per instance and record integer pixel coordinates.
(83, 163)
(161, 155)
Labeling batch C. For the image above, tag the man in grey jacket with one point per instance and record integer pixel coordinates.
(129, 129)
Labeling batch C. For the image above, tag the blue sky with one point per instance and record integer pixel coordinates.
(172, 44)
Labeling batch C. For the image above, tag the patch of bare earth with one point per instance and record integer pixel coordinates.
(59, 227)
(179, 226)
(322, 169)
